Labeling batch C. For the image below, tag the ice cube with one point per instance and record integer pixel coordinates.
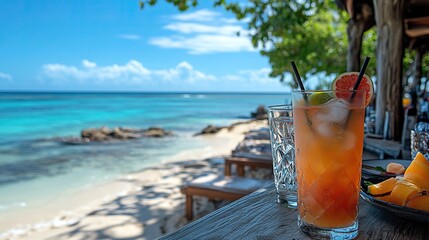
(324, 129)
(336, 111)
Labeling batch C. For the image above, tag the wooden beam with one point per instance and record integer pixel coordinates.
(419, 32)
(417, 27)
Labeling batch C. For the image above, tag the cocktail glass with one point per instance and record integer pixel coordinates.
(283, 151)
(328, 152)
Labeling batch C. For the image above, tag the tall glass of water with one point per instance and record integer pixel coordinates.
(282, 145)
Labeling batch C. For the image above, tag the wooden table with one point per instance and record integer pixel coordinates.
(258, 216)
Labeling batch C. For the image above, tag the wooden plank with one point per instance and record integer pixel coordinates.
(416, 22)
(226, 188)
(258, 216)
(417, 27)
(417, 32)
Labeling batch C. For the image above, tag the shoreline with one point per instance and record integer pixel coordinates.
(94, 208)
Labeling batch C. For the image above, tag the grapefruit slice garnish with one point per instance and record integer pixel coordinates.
(346, 82)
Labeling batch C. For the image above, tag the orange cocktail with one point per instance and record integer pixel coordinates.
(328, 147)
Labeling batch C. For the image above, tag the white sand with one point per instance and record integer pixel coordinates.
(142, 205)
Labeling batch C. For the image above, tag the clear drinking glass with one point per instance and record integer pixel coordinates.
(420, 140)
(329, 131)
(283, 151)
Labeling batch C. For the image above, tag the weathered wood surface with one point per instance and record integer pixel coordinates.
(390, 51)
(383, 147)
(258, 216)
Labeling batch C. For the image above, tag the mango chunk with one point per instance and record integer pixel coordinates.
(402, 192)
(419, 202)
(383, 198)
(382, 187)
(418, 172)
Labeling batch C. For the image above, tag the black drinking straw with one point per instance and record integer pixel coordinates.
(297, 77)
(299, 81)
(359, 79)
(361, 73)
(356, 86)
(301, 85)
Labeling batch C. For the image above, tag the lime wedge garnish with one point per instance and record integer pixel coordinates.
(318, 98)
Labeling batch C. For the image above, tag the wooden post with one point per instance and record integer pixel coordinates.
(240, 170)
(227, 170)
(189, 206)
(390, 51)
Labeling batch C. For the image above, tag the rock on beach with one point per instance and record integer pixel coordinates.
(260, 113)
(210, 129)
(105, 134)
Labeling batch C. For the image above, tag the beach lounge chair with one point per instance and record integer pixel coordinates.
(251, 161)
(259, 134)
(252, 153)
(219, 187)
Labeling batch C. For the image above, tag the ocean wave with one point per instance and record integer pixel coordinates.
(53, 223)
(12, 205)
(194, 96)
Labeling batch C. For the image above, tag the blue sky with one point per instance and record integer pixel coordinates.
(112, 45)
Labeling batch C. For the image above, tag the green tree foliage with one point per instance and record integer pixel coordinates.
(368, 50)
(182, 5)
(409, 57)
(310, 32)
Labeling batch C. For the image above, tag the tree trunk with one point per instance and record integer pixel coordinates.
(390, 51)
(361, 19)
(355, 29)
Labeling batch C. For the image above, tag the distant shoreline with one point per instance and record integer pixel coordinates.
(140, 92)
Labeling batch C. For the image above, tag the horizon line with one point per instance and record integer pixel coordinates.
(137, 92)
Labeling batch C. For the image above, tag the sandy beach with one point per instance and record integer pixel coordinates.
(141, 205)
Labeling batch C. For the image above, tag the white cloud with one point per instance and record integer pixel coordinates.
(255, 80)
(134, 75)
(129, 36)
(6, 76)
(88, 64)
(252, 75)
(185, 71)
(201, 28)
(132, 72)
(203, 15)
(203, 32)
(205, 43)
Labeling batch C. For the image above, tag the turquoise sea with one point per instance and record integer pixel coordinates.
(34, 167)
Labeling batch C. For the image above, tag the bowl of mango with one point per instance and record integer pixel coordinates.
(405, 195)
